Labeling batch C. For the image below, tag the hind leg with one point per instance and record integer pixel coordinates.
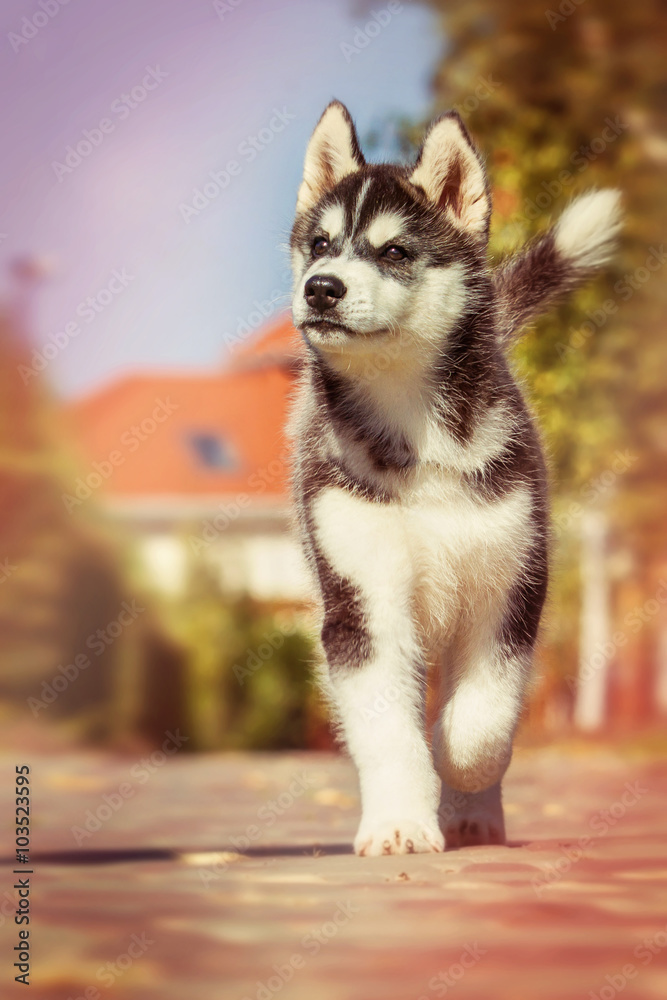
(483, 686)
(473, 817)
(473, 736)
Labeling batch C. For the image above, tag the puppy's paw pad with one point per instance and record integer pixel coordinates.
(398, 837)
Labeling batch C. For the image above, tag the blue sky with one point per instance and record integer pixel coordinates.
(161, 94)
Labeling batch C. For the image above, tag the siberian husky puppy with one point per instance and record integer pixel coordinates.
(419, 478)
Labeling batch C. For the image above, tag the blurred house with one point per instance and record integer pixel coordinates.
(197, 465)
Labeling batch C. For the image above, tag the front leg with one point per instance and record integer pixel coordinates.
(375, 668)
(378, 704)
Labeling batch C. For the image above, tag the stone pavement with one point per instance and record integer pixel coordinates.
(231, 877)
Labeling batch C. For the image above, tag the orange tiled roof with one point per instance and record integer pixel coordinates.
(195, 436)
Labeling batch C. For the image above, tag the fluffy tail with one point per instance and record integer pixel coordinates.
(582, 240)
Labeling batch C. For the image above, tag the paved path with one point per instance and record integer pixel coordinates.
(231, 878)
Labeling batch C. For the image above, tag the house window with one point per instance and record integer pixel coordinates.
(212, 451)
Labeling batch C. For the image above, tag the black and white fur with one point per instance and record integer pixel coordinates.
(419, 478)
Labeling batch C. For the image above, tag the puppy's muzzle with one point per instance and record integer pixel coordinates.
(323, 291)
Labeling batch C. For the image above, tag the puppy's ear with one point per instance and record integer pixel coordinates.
(333, 153)
(450, 171)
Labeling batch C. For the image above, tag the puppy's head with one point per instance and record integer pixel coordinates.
(381, 251)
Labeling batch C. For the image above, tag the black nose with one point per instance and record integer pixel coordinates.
(323, 291)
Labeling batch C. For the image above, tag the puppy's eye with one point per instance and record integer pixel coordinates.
(320, 246)
(394, 253)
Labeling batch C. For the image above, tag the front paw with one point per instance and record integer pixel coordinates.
(398, 836)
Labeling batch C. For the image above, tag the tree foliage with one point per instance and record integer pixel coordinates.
(563, 100)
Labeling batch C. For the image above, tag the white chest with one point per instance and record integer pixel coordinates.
(439, 549)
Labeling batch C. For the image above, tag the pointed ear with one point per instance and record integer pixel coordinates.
(333, 153)
(450, 171)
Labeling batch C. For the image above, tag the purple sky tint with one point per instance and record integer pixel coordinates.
(218, 78)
